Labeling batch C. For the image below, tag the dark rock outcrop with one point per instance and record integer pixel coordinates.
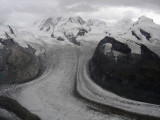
(52, 35)
(134, 76)
(146, 34)
(60, 39)
(11, 30)
(14, 107)
(82, 32)
(72, 39)
(17, 64)
(134, 34)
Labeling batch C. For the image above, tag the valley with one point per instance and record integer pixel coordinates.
(65, 88)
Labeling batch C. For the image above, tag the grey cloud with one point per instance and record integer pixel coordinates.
(21, 11)
(142, 3)
(15, 11)
(81, 7)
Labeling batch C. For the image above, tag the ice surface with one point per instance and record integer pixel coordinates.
(52, 96)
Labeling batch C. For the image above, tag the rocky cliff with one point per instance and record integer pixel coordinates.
(132, 75)
(17, 64)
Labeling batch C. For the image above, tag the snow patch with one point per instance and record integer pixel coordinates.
(107, 48)
(1, 46)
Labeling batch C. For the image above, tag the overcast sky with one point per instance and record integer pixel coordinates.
(25, 12)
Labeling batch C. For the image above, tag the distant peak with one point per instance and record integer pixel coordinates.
(76, 19)
(92, 22)
(49, 20)
(145, 19)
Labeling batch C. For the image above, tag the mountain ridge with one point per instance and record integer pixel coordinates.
(73, 30)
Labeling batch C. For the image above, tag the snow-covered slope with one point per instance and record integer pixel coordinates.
(64, 28)
(97, 25)
(144, 31)
(73, 29)
(76, 29)
(120, 27)
(7, 31)
(98, 30)
(60, 24)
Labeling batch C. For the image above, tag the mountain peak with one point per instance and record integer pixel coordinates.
(76, 19)
(144, 19)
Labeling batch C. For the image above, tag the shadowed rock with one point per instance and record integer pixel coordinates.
(82, 32)
(72, 39)
(134, 34)
(146, 34)
(14, 107)
(11, 30)
(17, 64)
(135, 76)
(60, 39)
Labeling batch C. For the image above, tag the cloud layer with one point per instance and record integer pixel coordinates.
(24, 12)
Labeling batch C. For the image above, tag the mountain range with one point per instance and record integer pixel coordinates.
(75, 29)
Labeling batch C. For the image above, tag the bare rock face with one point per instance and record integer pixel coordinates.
(134, 76)
(82, 32)
(17, 64)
